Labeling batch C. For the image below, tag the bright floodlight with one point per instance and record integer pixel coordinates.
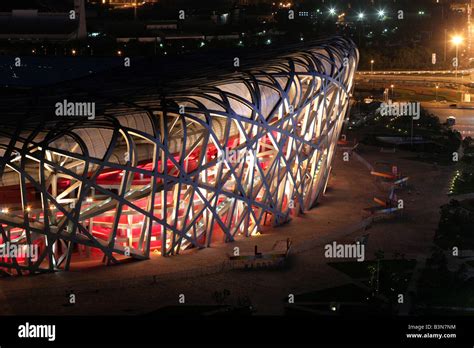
(457, 40)
(360, 15)
(381, 13)
(332, 11)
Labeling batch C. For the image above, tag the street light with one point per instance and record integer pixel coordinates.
(457, 40)
(381, 14)
(437, 87)
(332, 11)
(392, 87)
(360, 16)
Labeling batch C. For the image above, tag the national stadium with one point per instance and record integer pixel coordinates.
(211, 160)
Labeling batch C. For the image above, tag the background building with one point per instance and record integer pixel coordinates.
(55, 21)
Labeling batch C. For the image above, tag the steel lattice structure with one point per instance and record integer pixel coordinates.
(213, 162)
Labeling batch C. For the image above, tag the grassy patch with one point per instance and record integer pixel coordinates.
(360, 270)
(440, 287)
(391, 279)
(455, 225)
(343, 293)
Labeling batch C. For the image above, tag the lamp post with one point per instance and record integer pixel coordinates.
(360, 18)
(457, 60)
(372, 72)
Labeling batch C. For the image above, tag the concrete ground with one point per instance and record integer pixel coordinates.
(145, 286)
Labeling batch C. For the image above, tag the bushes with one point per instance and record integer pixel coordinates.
(455, 226)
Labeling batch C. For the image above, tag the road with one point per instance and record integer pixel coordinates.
(464, 112)
(415, 78)
(464, 116)
(434, 77)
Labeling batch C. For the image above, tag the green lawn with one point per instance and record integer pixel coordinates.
(343, 293)
(360, 270)
(393, 275)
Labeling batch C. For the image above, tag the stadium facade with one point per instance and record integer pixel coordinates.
(209, 163)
